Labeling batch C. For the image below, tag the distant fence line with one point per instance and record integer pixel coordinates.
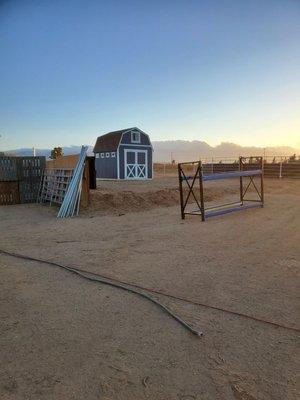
(274, 166)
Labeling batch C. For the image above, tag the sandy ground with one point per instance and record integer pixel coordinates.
(62, 337)
(113, 197)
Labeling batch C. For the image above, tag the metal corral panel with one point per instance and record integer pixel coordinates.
(28, 191)
(291, 170)
(30, 168)
(30, 171)
(9, 193)
(271, 170)
(20, 179)
(8, 169)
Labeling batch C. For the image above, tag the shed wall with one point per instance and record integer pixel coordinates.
(107, 168)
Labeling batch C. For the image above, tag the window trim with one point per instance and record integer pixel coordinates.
(113, 154)
(102, 155)
(139, 137)
(107, 155)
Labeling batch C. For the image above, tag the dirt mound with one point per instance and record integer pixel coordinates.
(119, 202)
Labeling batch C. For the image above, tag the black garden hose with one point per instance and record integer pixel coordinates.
(124, 285)
(107, 281)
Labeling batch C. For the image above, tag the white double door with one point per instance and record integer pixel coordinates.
(135, 164)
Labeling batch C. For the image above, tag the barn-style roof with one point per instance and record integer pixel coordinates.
(110, 141)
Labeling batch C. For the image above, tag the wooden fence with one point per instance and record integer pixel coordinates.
(271, 170)
(20, 179)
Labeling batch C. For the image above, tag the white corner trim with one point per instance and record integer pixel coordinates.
(118, 163)
(135, 145)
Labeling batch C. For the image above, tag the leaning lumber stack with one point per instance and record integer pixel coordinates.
(71, 202)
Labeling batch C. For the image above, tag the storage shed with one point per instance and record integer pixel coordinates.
(124, 154)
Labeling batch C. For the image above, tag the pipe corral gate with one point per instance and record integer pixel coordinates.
(225, 208)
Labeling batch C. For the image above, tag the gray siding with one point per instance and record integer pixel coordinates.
(106, 168)
(121, 159)
(126, 139)
(150, 163)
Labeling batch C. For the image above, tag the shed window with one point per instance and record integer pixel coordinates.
(113, 154)
(107, 155)
(135, 137)
(102, 155)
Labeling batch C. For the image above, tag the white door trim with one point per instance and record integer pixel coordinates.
(131, 171)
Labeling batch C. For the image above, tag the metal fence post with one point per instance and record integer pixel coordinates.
(212, 165)
(280, 168)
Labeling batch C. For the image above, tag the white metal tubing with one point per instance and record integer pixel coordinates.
(69, 207)
(72, 197)
(79, 197)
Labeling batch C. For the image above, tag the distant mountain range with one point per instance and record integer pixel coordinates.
(27, 151)
(183, 150)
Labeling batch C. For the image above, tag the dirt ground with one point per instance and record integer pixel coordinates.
(112, 197)
(62, 337)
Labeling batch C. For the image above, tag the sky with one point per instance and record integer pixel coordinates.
(215, 71)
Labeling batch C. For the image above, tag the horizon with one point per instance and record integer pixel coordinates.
(69, 146)
(27, 147)
(229, 74)
(182, 150)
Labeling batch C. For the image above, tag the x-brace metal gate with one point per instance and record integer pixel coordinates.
(196, 178)
(224, 208)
